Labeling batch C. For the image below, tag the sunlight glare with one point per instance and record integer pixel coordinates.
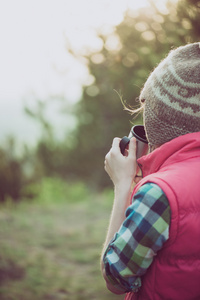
(135, 4)
(160, 4)
(35, 38)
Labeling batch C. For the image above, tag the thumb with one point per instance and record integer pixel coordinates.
(132, 147)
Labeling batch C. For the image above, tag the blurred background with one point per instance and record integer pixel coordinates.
(64, 68)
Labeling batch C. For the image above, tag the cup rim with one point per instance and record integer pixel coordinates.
(135, 134)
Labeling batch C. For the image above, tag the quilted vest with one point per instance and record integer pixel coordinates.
(175, 271)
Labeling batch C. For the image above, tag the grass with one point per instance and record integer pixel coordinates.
(50, 248)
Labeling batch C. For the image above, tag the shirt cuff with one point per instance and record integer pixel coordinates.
(124, 284)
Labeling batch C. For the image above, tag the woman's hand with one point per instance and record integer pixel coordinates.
(120, 168)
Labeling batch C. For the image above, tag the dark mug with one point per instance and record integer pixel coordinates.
(138, 132)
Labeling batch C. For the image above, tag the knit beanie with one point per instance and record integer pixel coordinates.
(171, 96)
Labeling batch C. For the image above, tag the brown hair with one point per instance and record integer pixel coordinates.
(130, 109)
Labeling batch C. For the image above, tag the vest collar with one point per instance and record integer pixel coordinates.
(178, 149)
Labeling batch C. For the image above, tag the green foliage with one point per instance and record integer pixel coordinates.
(56, 190)
(128, 55)
(188, 11)
(122, 66)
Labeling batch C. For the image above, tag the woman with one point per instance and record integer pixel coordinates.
(152, 248)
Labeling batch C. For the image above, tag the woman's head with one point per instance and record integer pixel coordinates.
(171, 96)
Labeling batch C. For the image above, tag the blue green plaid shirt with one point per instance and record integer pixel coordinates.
(142, 234)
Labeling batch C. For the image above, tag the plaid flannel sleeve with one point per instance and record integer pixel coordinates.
(143, 232)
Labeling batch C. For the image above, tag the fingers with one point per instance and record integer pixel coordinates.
(132, 147)
(115, 144)
(115, 149)
(105, 165)
(112, 154)
(119, 166)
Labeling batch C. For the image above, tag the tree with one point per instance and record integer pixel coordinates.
(15, 174)
(123, 64)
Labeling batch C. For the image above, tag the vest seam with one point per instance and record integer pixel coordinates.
(154, 283)
(169, 242)
(177, 215)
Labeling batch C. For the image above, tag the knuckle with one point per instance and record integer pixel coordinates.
(113, 153)
(116, 139)
(107, 156)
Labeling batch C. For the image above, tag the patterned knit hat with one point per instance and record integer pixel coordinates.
(171, 96)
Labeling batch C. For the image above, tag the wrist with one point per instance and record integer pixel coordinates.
(122, 195)
(123, 185)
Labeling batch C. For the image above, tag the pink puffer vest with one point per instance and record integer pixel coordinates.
(175, 271)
